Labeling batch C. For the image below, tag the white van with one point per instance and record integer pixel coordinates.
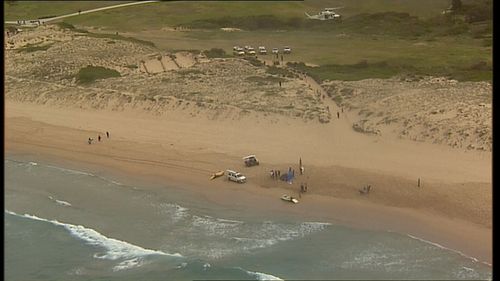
(235, 176)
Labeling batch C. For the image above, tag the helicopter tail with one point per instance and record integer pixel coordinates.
(309, 16)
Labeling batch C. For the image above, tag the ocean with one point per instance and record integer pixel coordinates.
(63, 224)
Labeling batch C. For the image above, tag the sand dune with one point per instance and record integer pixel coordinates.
(434, 110)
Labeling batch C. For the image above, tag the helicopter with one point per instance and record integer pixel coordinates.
(326, 14)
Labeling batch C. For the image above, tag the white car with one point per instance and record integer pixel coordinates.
(250, 51)
(235, 176)
(287, 50)
(262, 50)
(275, 50)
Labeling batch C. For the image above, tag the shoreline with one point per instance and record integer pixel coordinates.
(441, 232)
(190, 170)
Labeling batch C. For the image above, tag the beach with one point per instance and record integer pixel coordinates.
(111, 142)
(452, 207)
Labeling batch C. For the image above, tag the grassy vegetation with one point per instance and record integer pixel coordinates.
(34, 47)
(280, 71)
(394, 37)
(254, 61)
(216, 53)
(15, 10)
(91, 73)
(264, 80)
(114, 36)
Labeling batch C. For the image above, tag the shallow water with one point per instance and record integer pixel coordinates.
(63, 224)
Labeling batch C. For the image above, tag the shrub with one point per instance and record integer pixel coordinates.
(91, 73)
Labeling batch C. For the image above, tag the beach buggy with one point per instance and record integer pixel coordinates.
(250, 160)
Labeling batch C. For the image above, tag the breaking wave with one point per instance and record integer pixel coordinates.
(115, 249)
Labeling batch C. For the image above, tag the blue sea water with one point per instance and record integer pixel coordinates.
(63, 224)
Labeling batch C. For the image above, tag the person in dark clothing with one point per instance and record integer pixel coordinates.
(107, 135)
(99, 137)
(338, 115)
(280, 83)
(90, 141)
(79, 11)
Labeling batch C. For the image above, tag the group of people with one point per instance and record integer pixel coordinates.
(365, 190)
(275, 174)
(98, 138)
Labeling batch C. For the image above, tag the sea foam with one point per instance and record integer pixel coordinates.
(445, 248)
(115, 249)
(60, 202)
(262, 276)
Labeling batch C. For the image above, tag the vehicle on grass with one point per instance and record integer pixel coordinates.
(287, 50)
(326, 14)
(275, 51)
(250, 51)
(251, 160)
(235, 176)
(262, 50)
(237, 50)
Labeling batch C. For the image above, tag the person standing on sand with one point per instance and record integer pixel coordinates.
(98, 137)
(90, 141)
(338, 115)
(107, 135)
(280, 83)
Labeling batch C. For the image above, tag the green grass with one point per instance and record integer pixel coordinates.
(16, 10)
(91, 73)
(422, 41)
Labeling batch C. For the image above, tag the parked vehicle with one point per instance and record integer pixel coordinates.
(276, 50)
(262, 50)
(289, 198)
(235, 176)
(251, 160)
(287, 50)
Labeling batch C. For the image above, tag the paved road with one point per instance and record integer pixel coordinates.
(42, 21)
